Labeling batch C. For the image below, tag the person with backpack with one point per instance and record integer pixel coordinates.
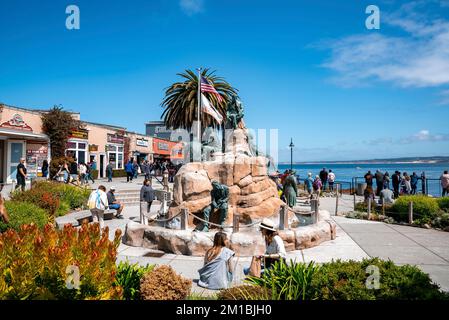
(309, 184)
(98, 203)
(317, 185)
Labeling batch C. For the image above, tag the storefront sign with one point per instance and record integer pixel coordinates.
(93, 148)
(116, 138)
(16, 123)
(79, 134)
(162, 146)
(142, 142)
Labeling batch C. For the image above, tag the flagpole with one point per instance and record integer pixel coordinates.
(199, 105)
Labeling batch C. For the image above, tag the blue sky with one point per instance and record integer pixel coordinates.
(308, 68)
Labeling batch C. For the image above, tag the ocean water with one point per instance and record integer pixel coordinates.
(345, 172)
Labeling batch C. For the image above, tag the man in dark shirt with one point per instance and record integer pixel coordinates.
(323, 177)
(21, 174)
(396, 181)
(369, 179)
(73, 170)
(114, 204)
(379, 182)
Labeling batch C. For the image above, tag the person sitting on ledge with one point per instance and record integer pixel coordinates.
(275, 248)
(114, 204)
(216, 273)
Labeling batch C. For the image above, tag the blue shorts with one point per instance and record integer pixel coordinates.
(115, 206)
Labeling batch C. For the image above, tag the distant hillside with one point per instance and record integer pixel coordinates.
(437, 159)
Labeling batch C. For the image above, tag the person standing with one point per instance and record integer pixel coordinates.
(129, 171)
(331, 180)
(386, 180)
(309, 184)
(216, 273)
(445, 183)
(136, 168)
(405, 183)
(73, 169)
(414, 182)
(423, 183)
(98, 203)
(21, 174)
(83, 171)
(324, 177)
(290, 189)
(369, 179)
(147, 170)
(146, 199)
(89, 169)
(317, 186)
(379, 182)
(45, 168)
(109, 171)
(396, 180)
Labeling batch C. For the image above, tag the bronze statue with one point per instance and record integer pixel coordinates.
(220, 197)
(234, 114)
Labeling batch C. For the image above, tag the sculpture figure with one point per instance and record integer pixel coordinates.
(220, 197)
(209, 147)
(234, 114)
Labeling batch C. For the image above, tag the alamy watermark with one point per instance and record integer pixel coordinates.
(373, 20)
(73, 277)
(373, 280)
(72, 22)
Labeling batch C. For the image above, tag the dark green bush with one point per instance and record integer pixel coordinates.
(346, 280)
(24, 213)
(128, 277)
(423, 207)
(443, 203)
(119, 173)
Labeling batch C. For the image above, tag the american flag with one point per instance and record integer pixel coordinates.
(207, 87)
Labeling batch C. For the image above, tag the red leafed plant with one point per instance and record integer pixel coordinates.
(58, 264)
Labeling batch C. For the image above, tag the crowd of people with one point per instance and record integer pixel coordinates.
(148, 168)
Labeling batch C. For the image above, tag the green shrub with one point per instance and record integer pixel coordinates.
(24, 213)
(288, 282)
(128, 277)
(443, 203)
(423, 207)
(346, 280)
(56, 198)
(119, 173)
(246, 292)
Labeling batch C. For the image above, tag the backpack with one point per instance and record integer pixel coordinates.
(95, 201)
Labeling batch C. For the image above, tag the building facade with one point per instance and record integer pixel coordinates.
(21, 136)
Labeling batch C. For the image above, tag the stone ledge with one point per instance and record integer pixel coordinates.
(247, 242)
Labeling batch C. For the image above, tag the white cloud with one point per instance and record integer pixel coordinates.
(191, 7)
(420, 58)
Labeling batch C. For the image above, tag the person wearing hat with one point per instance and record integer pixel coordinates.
(114, 204)
(290, 189)
(275, 248)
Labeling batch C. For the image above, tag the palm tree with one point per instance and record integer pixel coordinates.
(181, 100)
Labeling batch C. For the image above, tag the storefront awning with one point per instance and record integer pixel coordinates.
(18, 134)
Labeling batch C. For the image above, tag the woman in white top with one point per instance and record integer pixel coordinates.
(275, 248)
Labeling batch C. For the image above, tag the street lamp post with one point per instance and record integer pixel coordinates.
(291, 153)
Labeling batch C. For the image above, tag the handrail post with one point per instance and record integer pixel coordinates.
(336, 200)
(184, 218)
(355, 200)
(410, 212)
(369, 208)
(315, 209)
(283, 218)
(235, 223)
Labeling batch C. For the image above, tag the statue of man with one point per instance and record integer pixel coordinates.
(220, 197)
(234, 114)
